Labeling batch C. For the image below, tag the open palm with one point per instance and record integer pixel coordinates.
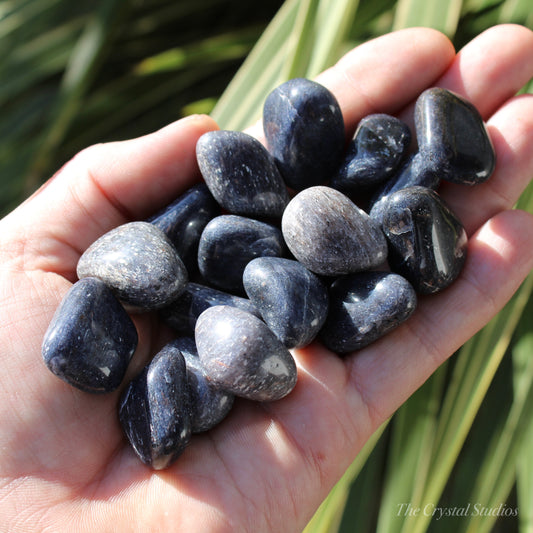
(65, 464)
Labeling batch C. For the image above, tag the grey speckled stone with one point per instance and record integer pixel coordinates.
(241, 355)
(154, 410)
(427, 242)
(292, 300)
(330, 235)
(304, 131)
(241, 174)
(139, 263)
(229, 243)
(453, 138)
(182, 314)
(91, 339)
(209, 404)
(364, 307)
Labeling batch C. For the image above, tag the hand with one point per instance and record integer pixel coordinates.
(65, 463)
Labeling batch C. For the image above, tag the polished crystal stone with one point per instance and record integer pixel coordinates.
(427, 242)
(377, 149)
(241, 174)
(330, 235)
(229, 243)
(91, 339)
(414, 173)
(453, 138)
(209, 404)
(154, 410)
(304, 131)
(184, 220)
(241, 355)
(182, 314)
(364, 307)
(139, 263)
(292, 300)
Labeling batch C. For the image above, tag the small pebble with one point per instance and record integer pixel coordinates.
(242, 356)
(229, 243)
(304, 131)
(292, 300)
(139, 263)
(365, 307)
(91, 338)
(330, 235)
(241, 174)
(154, 410)
(427, 242)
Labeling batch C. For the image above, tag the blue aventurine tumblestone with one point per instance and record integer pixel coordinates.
(91, 338)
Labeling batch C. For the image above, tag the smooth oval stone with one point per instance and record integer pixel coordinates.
(182, 314)
(229, 243)
(330, 235)
(453, 138)
(184, 220)
(364, 307)
(241, 174)
(379, 145)
(139, 263)
(241, 355)
(304, 131)
(91, 338)
(414, 173)
(209, 404)
(292, 301)
(154, 410)
(427, 242)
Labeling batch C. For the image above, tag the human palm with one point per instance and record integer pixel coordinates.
(65, 462)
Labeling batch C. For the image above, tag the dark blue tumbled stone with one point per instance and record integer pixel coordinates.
(364, 307)
(154, 410)
(292, 300)
(241, 355)
(91, 339)
(377, 149)
(241, 174)
(182, 314)
(184, 220)
(304, 131)
(414, 173)
(427, 242)
(453, 138)
(229, 243)
(330, 235)
(139, 263)
(209, 404)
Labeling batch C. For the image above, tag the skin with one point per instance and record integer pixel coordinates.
(65, 463)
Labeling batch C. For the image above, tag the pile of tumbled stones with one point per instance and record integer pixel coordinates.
(271, 252)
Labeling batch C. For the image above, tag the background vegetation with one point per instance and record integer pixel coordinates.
(76, 73)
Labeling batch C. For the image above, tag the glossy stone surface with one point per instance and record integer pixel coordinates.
(154, 410)
(241, 355)
(427, 242)
(379, 145)
(364, 307)
(414, 173)
(241, 174)
(184, 220)
(330, 235)
(182, 314)
(229, 243)
(292, 300)
(304, 131)
(209, 404)
(453, 138)
(139, 263)
(91, 339)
